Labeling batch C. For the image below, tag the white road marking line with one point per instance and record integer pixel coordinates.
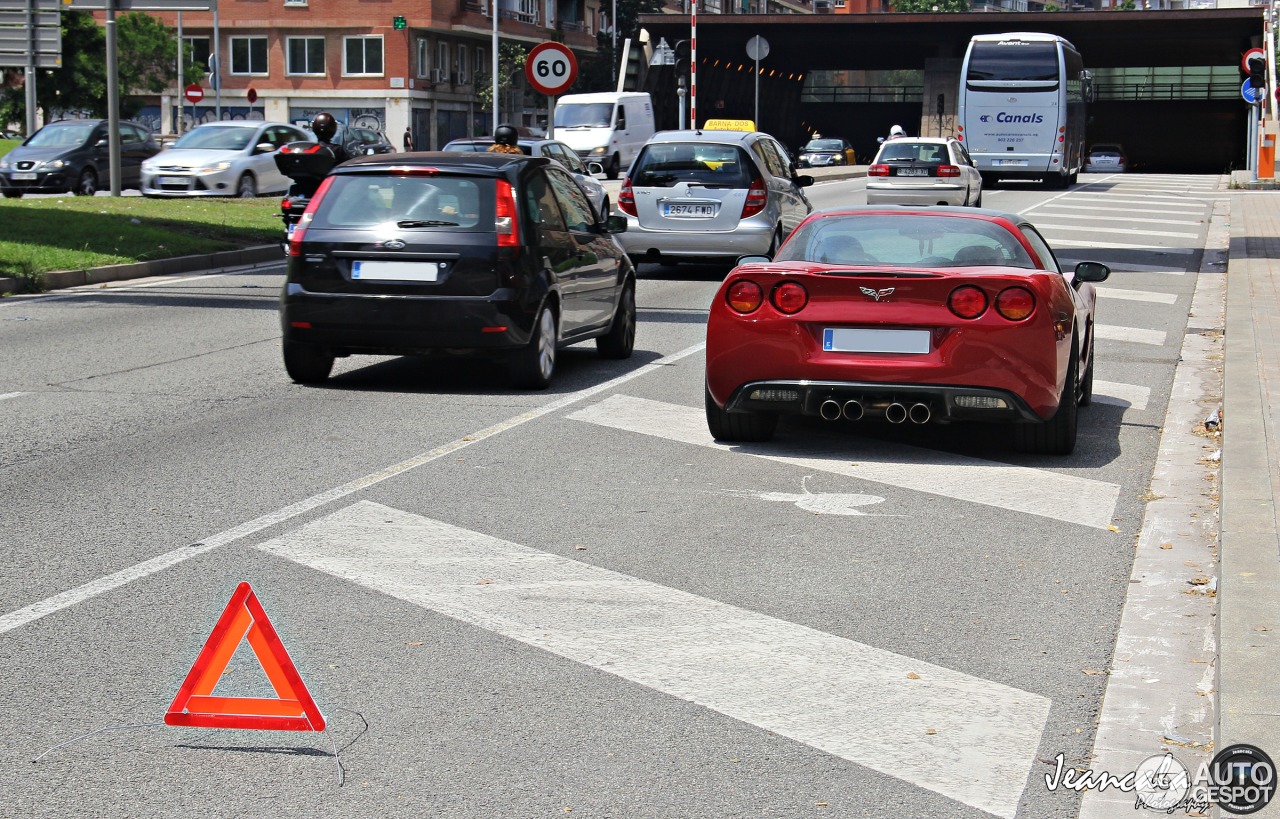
(1124, 395)
(93, 588)
(1021, 489)
(1145, 202)
(1135, 295)
(969, 739)
(11, 395)
(1070, 255)
(1137, 214)
(1046, 227)
(1134, 334)
(1067, 243)
(1093, 217)
(88, 289)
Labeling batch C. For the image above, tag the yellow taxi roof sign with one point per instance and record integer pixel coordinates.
(729, 125)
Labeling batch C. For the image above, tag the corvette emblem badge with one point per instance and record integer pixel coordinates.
(877, 294)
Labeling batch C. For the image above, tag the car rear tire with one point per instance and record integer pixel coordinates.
(247, 187)
(1086, 383)
(1057, 436)
(532, 367)
(977, 203)
(615, 167)
(307, 363)
(739, 426)
(87, 184)
(13, 194)
(621, 338)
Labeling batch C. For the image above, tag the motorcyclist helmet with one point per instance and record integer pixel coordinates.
(506, 135)
(324, 126)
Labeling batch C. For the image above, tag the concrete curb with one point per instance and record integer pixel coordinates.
(62, 279)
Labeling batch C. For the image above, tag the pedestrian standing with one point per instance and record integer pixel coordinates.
(408, 139)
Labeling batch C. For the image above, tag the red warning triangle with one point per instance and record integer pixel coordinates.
(196, 706)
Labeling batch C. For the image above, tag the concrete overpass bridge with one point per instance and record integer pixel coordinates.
(1168, 81)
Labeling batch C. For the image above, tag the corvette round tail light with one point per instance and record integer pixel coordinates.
(744, 296)
(1015, 303)
(790, 297)
(967, 302)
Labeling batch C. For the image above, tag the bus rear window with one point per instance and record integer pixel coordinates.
(1010, 62)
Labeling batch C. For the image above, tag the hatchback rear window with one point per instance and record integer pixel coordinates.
(664, 164)
(426, 202)
(931, 153)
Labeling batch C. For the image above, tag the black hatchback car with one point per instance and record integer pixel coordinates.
(73, 155)
(491, 254)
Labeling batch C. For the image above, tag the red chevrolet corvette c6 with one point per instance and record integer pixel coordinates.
(910, 315)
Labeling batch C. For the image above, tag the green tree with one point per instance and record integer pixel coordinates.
(598, 75)
(930, 6)
(511, 57)
(148, 59)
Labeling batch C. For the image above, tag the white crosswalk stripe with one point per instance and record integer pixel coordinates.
(1069, 243)
(1093, 217)
(1132, 212)
(1135, 295)
(961, 736)
(1069, 256)
(1178, 203)
(1054, 495)
(1049, 226)
(1124, 395)
(1134, 334)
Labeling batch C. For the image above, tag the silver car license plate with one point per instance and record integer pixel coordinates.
(681, 211)
(174, 181)
(913, 172)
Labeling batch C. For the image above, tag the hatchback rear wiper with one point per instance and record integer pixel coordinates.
(413, 223)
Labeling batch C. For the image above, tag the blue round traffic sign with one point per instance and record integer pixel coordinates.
(1251, 95)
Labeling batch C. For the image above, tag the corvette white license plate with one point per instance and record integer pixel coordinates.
(690, 211)
(395, 271)
(913, 172)
(23, 177)
(861, 340)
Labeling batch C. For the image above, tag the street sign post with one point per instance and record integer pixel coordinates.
(30, 38)
(757, 49)
(551, 69)
(194, 93)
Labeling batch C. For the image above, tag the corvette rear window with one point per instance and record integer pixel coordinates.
(906, 241)
(664, 164)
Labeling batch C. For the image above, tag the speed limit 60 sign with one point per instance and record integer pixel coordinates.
(551, 68)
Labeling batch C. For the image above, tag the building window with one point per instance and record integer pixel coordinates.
(424, 57)
(479, 63)
(196, 50)
(362, 55)
(248, 55)
(295, 2)
(304, 55)
(461, 63)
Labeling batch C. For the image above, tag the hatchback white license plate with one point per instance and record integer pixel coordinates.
(689, 211)
(1016, 162)
(395, 271)
(862, 340)
(913, 172)
(23, 177)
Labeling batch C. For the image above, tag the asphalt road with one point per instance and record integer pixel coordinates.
(569, 602)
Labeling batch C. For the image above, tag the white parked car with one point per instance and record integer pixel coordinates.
(923, 171)
(232, 158)
(551, 149)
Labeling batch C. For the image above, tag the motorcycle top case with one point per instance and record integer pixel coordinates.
(305, 160)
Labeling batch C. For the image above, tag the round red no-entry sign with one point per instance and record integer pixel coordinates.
(252, 95)
(193, 93)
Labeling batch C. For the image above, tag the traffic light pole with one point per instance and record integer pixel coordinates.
(113, 101)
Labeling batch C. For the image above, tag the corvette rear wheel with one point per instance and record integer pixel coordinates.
(1057, 436)
(739, 426)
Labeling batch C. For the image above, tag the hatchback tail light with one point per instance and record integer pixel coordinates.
(1015, 303)
(745, 296)
(505, 220)
(295, 241)
(757, 198)
(948, 170)
(627, 198)
(967, 302)
(878, 170)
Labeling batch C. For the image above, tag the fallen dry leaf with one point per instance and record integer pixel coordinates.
(911, 675)
(415, 643)
(1166, 546)
(820, 804)
(1261, 628)
(1092, 672)
(1199, 581)
(484, 581)
(931, 731)
(1114, 528)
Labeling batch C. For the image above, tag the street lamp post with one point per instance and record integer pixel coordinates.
(613, 30)
(493, 7)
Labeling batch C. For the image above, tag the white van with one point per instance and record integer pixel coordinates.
(609, 128)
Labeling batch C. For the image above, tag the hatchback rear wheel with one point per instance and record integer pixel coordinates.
(621, 338)
(533, 366)
(307, 363)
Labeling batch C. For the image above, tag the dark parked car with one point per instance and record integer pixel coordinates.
(492, 254)
(364, 141)
(72, 155)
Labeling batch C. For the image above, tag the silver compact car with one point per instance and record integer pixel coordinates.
(710, 195)
(232, 158)
(551, 149)
(1106, 158)
(923, 171)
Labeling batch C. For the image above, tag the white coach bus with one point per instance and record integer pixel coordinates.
(1021, 111)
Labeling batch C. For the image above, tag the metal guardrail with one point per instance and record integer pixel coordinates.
(1167, 91)
(863, 94)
